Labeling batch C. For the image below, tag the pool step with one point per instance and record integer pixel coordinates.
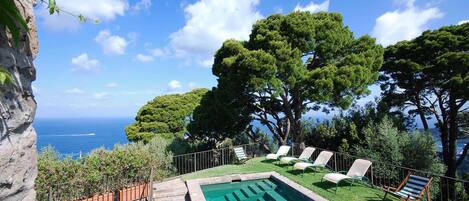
(239, 195)
(263, 186)
(247, 192)
(230, 197)
(273, 196)
(254, 189)
(271, 184)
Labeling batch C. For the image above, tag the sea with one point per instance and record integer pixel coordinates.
(79, 136)
(75, 136)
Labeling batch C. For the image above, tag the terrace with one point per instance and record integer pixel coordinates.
(221, 163)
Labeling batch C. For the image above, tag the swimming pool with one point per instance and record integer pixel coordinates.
(262, 186)
(255, 190)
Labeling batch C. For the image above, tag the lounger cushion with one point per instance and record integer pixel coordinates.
(302, 165)
(335, 177)
(272, 156)
(288, 159)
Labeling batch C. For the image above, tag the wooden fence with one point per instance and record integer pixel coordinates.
(141, 191)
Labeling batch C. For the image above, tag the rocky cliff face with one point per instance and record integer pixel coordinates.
(17, 109)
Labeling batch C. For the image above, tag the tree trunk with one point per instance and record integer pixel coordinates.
(422, 115)
(451, 155)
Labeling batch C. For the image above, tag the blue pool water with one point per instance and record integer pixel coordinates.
(251, 190)
(71, 136)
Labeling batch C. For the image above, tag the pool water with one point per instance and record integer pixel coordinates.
(251, 190)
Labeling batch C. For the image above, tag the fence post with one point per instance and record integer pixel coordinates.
(150, 196)
(372, 180)
(223, 156)
(335, 162)
(195, 162)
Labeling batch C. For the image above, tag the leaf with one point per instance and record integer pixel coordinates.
(52, 6)
(82, 18)
(5, 77)
(9, 17)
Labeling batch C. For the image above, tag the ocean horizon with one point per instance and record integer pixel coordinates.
(80, 135)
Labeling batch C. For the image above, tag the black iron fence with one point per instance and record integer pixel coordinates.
(442, 187)
(192, 162)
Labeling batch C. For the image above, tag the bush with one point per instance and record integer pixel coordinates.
(382, 145)
(102, 170)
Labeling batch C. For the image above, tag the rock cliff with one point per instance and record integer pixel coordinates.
(17, 109)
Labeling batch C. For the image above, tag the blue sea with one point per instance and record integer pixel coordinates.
(72, 136)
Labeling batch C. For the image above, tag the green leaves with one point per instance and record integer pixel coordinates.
(165, 116)
(12, 19)
(5, 77)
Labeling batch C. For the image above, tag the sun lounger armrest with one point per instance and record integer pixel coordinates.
(389, 189)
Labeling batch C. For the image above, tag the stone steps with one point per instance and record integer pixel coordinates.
(172, 190)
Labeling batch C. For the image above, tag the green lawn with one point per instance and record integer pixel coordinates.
(309, 180)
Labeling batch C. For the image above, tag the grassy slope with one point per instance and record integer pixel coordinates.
(310, 180)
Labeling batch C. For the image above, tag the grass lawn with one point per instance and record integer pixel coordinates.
(310, 180)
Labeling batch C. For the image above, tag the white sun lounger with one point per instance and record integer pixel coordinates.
(282, 151)
(305, 155)
(320, 162)
(356, 172)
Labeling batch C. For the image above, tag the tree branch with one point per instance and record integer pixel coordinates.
(463, 155)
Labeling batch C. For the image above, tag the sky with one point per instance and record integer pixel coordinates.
(145, 48)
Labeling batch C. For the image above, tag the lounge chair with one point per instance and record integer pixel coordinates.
(356, 172)
(411, 188)
(282, 151)
(304, 156)
(320, 162)
(240, 154)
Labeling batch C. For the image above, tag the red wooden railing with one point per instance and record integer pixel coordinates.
(135, 192)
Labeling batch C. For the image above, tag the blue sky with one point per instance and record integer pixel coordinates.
(145, 48)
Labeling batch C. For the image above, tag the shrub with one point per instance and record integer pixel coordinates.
(102, 170)
(382, 146)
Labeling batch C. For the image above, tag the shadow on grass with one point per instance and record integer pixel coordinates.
(267, 161)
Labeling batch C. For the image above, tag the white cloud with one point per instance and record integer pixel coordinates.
(103, 10)
(313, 8)
(74, 91)
(83, 63)
(174, 85)
(142, 5)
(112, 85)
(406, 24)
(158, 52)
(144, 58)
(100, 95)
(463, 22)
(209, 23)
(111, 44)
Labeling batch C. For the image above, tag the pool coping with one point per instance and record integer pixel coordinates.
(196, 194)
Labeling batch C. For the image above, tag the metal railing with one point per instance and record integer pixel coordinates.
(442, 187)
(192, 162)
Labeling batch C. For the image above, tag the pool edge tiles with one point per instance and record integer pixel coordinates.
(196, 193)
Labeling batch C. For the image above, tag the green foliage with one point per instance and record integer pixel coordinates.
(420, 148)
(101, 170)
(5, 77)
(165, 116)
(289, 63)
(430, 76)
(11, 18)
(346, 130)
(382, 144)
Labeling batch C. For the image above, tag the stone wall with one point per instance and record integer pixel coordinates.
(17, 109)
